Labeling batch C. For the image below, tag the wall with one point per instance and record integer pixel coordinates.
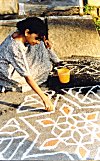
(74, 36)
(68, 2)
(94, 2)
(8, 6)
(69, 36)
(4, 31)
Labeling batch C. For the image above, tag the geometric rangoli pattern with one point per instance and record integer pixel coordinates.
(71, 132)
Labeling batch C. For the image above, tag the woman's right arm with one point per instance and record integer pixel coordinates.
(47, 102)
(18, 62)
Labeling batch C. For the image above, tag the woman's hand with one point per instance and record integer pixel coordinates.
(47, 43)
(48, 104)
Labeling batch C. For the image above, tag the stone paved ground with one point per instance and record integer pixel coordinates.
(71, 132)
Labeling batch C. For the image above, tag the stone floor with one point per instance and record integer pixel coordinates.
(71, 132)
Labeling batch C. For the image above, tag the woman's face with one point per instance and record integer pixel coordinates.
(32, 39)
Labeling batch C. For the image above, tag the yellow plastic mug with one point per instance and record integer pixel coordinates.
(64, 75)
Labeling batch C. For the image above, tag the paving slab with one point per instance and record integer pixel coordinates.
(55, 2)
(71, 132)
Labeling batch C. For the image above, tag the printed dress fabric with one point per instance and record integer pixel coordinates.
(18, 61)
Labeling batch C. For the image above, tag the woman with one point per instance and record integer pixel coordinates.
(28, 52)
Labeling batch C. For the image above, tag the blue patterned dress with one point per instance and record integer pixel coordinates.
(18, 61)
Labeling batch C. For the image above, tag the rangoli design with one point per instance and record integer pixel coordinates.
(71, 132)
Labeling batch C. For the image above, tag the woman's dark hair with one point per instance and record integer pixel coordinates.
(34, 24)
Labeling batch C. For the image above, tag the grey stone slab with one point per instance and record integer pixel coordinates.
(43, 7)
(67, 2)
(56, 2)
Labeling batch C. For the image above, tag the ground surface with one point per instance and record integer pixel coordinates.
(71, 132)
